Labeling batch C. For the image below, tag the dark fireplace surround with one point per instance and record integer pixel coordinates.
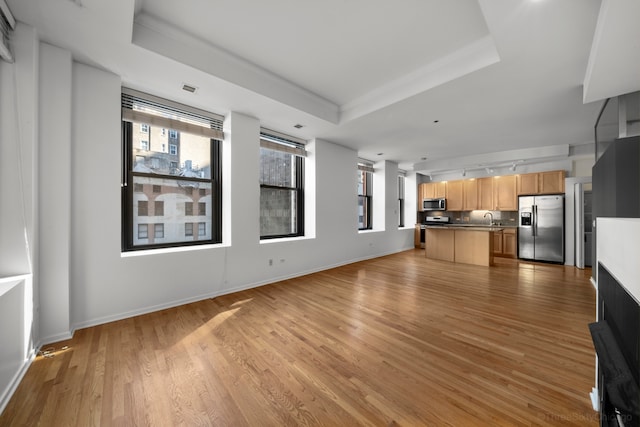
(616, 338)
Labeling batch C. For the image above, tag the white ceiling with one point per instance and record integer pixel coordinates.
(498, 76)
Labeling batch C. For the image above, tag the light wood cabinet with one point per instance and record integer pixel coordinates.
(497, 243)
(470, 195)
(498, 193)
(439, 244)
(435, 190)
(527, 183)
(422, 191)
(485, 194)
(510, 242)
(416, 237)
(505, 194)
(551, 182)
(474, 247)
(455, 195)
(541, 183)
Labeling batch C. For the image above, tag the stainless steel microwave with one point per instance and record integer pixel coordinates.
(434, 204)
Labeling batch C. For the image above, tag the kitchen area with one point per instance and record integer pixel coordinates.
(472, 221)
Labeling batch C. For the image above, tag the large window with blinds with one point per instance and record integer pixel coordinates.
(171, 177)
(365, 195)
(281, 185)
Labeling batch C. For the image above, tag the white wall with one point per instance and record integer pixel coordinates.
(19, 332)
(55, 179)
(619, 252)
(106, 285)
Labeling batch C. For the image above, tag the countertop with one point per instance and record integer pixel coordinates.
(466, 227)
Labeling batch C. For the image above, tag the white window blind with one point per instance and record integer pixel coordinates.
(7, 24)
(277, 141)
(140, 107)
(365, 165)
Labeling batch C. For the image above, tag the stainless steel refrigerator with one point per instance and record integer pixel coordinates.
(541, 228)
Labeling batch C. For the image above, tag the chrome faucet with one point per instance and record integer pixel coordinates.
(490, 218)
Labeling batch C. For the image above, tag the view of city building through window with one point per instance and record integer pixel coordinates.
(281, 187)
(171, 189)
(172, 199)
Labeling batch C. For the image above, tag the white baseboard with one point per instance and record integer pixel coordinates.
(7, 393)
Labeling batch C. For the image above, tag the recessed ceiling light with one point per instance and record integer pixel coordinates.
(380, 154)
(423, 158)
(298, 126)
(436, 121)
(189, 88)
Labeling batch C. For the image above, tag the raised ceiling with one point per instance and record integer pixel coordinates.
(410, 79)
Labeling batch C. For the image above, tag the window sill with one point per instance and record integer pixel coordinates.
(145, 252)
(369, 231)
(284, 239)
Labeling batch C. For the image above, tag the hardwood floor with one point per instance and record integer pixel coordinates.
(399, 340)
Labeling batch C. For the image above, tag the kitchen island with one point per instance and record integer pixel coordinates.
(467, 245)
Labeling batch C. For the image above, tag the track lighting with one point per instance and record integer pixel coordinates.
(464, 172)
(513, 167)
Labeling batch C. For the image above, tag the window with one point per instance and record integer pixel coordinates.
(202, 229)
(159, 208)
(365, 191)
(281, 185)
(400, 200)
(143, 208)
(202, 208)
(143, 231)
(158, 231)
(144, 128)
(200, 141)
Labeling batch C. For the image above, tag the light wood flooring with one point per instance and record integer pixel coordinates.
(398, 340)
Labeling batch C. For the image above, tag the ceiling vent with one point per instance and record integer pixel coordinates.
(7, 25)
(189, 88)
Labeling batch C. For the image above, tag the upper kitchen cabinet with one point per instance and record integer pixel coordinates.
(527, 183)
(435, 190)
(504, 193)
(551, 182)
(470, 195)
(422, 194)
(541, 183)
(485, 194)
(430, 190)
(455, 195)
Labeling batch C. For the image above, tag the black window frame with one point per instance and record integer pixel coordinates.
(127, 187)
(366, 196)
(401, 196)
(271, 140)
